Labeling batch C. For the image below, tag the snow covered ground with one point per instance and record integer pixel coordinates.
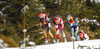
(92, 44)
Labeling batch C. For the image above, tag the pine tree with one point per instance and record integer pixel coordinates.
(14, 24)
(32, 20)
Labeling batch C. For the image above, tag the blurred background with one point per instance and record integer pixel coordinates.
(12, 20)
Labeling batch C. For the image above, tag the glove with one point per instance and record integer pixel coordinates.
(49, 25)
(71, 24)
(44, 23)
(77, 21)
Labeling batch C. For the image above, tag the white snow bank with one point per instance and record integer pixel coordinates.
(68, 45)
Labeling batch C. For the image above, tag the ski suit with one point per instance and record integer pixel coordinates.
(73, 24)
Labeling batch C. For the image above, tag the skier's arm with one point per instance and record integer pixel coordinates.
(48, 23)
(76, 20)
(46, 19)
(40, 21)
(54, 22)
(68, 24)
(61, 21)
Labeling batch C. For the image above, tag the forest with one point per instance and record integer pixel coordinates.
(12, 20)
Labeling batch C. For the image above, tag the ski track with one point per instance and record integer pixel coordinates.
(67, 45)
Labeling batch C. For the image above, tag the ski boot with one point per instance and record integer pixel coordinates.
(53, 40)
(57, 40)
(46, 42)
(65, 40)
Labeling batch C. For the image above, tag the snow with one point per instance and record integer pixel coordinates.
(1, 41)
(31, 43)
(2, 2)
(25, 8)
(68, 45)
(6, 7)
(92, 21)
(1, 13)
(5, 45)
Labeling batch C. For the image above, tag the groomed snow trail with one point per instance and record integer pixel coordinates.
(68, 45)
